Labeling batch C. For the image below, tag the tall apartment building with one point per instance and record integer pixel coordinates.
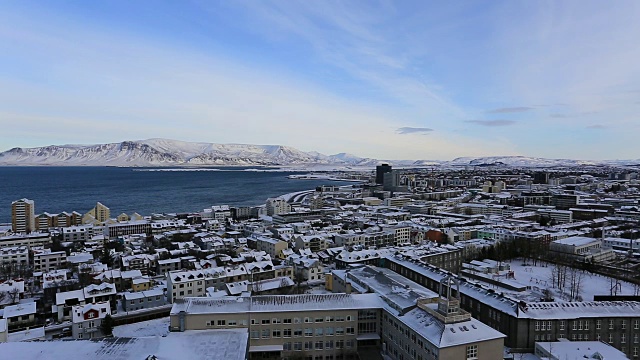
(99, 213)
(23, 219)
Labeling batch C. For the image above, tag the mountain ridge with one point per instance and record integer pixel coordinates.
(166, 152)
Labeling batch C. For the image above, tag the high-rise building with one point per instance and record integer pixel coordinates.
(23, 219)
(541, 178)
(391, 180)
(100, 213)
(380, 171)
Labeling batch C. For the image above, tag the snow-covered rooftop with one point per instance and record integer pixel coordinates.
(445, 335)
(206, 344)
(269, 303)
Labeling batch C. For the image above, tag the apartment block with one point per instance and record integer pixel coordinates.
(47, 260)
(23, 219)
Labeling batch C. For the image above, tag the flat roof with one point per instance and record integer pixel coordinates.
(196, 345)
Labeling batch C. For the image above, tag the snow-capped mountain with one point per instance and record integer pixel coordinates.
(164, 152)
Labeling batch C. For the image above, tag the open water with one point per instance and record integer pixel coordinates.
(141, 190)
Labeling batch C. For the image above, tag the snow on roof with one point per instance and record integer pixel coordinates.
(62, 297)
(445, 335)
(196, 345)
(102, 308)
(581, 350)
(19, 310)
(3, 325)
(576, 241)
(26, 335)
(270, 303)
(402, 292)
(584, 309)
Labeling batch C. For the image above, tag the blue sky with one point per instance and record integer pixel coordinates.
(387, 79)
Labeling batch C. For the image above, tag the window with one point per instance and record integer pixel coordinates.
(610, 338)
(265, 333)
(328, 344)
(623, 324)
(598, 322)
(286, 321)
(286, 346)
(266, 321)
(308, 332)
(472, 352)
(297, 333)
(328, 331)
(635, 338)
(636, 324)
(537, 325)
(286, 333)
(575, 325)
(307, 320)
(319, 345)
(255, 334)
(586, 324)
(297, 346)
(221, 322)
(276, 334)
(232, 323)
(275, 321)
(319, 319)
(350, 330)
(296, 320)
(319, 331)
(610, 324)
(623, 338)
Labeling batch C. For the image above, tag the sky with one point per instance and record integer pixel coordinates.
(381, 79)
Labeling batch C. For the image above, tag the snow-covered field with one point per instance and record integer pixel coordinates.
(156, 327)
(540, 278)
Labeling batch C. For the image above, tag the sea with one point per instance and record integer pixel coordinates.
(144, 190)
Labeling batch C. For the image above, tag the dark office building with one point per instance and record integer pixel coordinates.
(541, 178)
(380, 171)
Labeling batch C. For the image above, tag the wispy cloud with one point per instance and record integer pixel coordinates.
(414, 130)
(597, 127)
(492, 122)
(508, 110)
(573, 115)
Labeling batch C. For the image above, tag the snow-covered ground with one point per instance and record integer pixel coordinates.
(539, 278)
(156, 327)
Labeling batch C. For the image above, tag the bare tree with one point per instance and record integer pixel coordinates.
(14, 295)
(575, 284)
(3, 296)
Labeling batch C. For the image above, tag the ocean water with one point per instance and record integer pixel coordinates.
(146, 191)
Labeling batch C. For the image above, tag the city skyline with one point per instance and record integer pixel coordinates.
(408, 80)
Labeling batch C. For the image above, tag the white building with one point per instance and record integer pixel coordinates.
(87, 320)
(46, 260)
(277, 206)
(18, 255)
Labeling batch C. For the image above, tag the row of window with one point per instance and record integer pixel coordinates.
(299, 320)
(307, 332)
(583, 325)
(318, 345)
